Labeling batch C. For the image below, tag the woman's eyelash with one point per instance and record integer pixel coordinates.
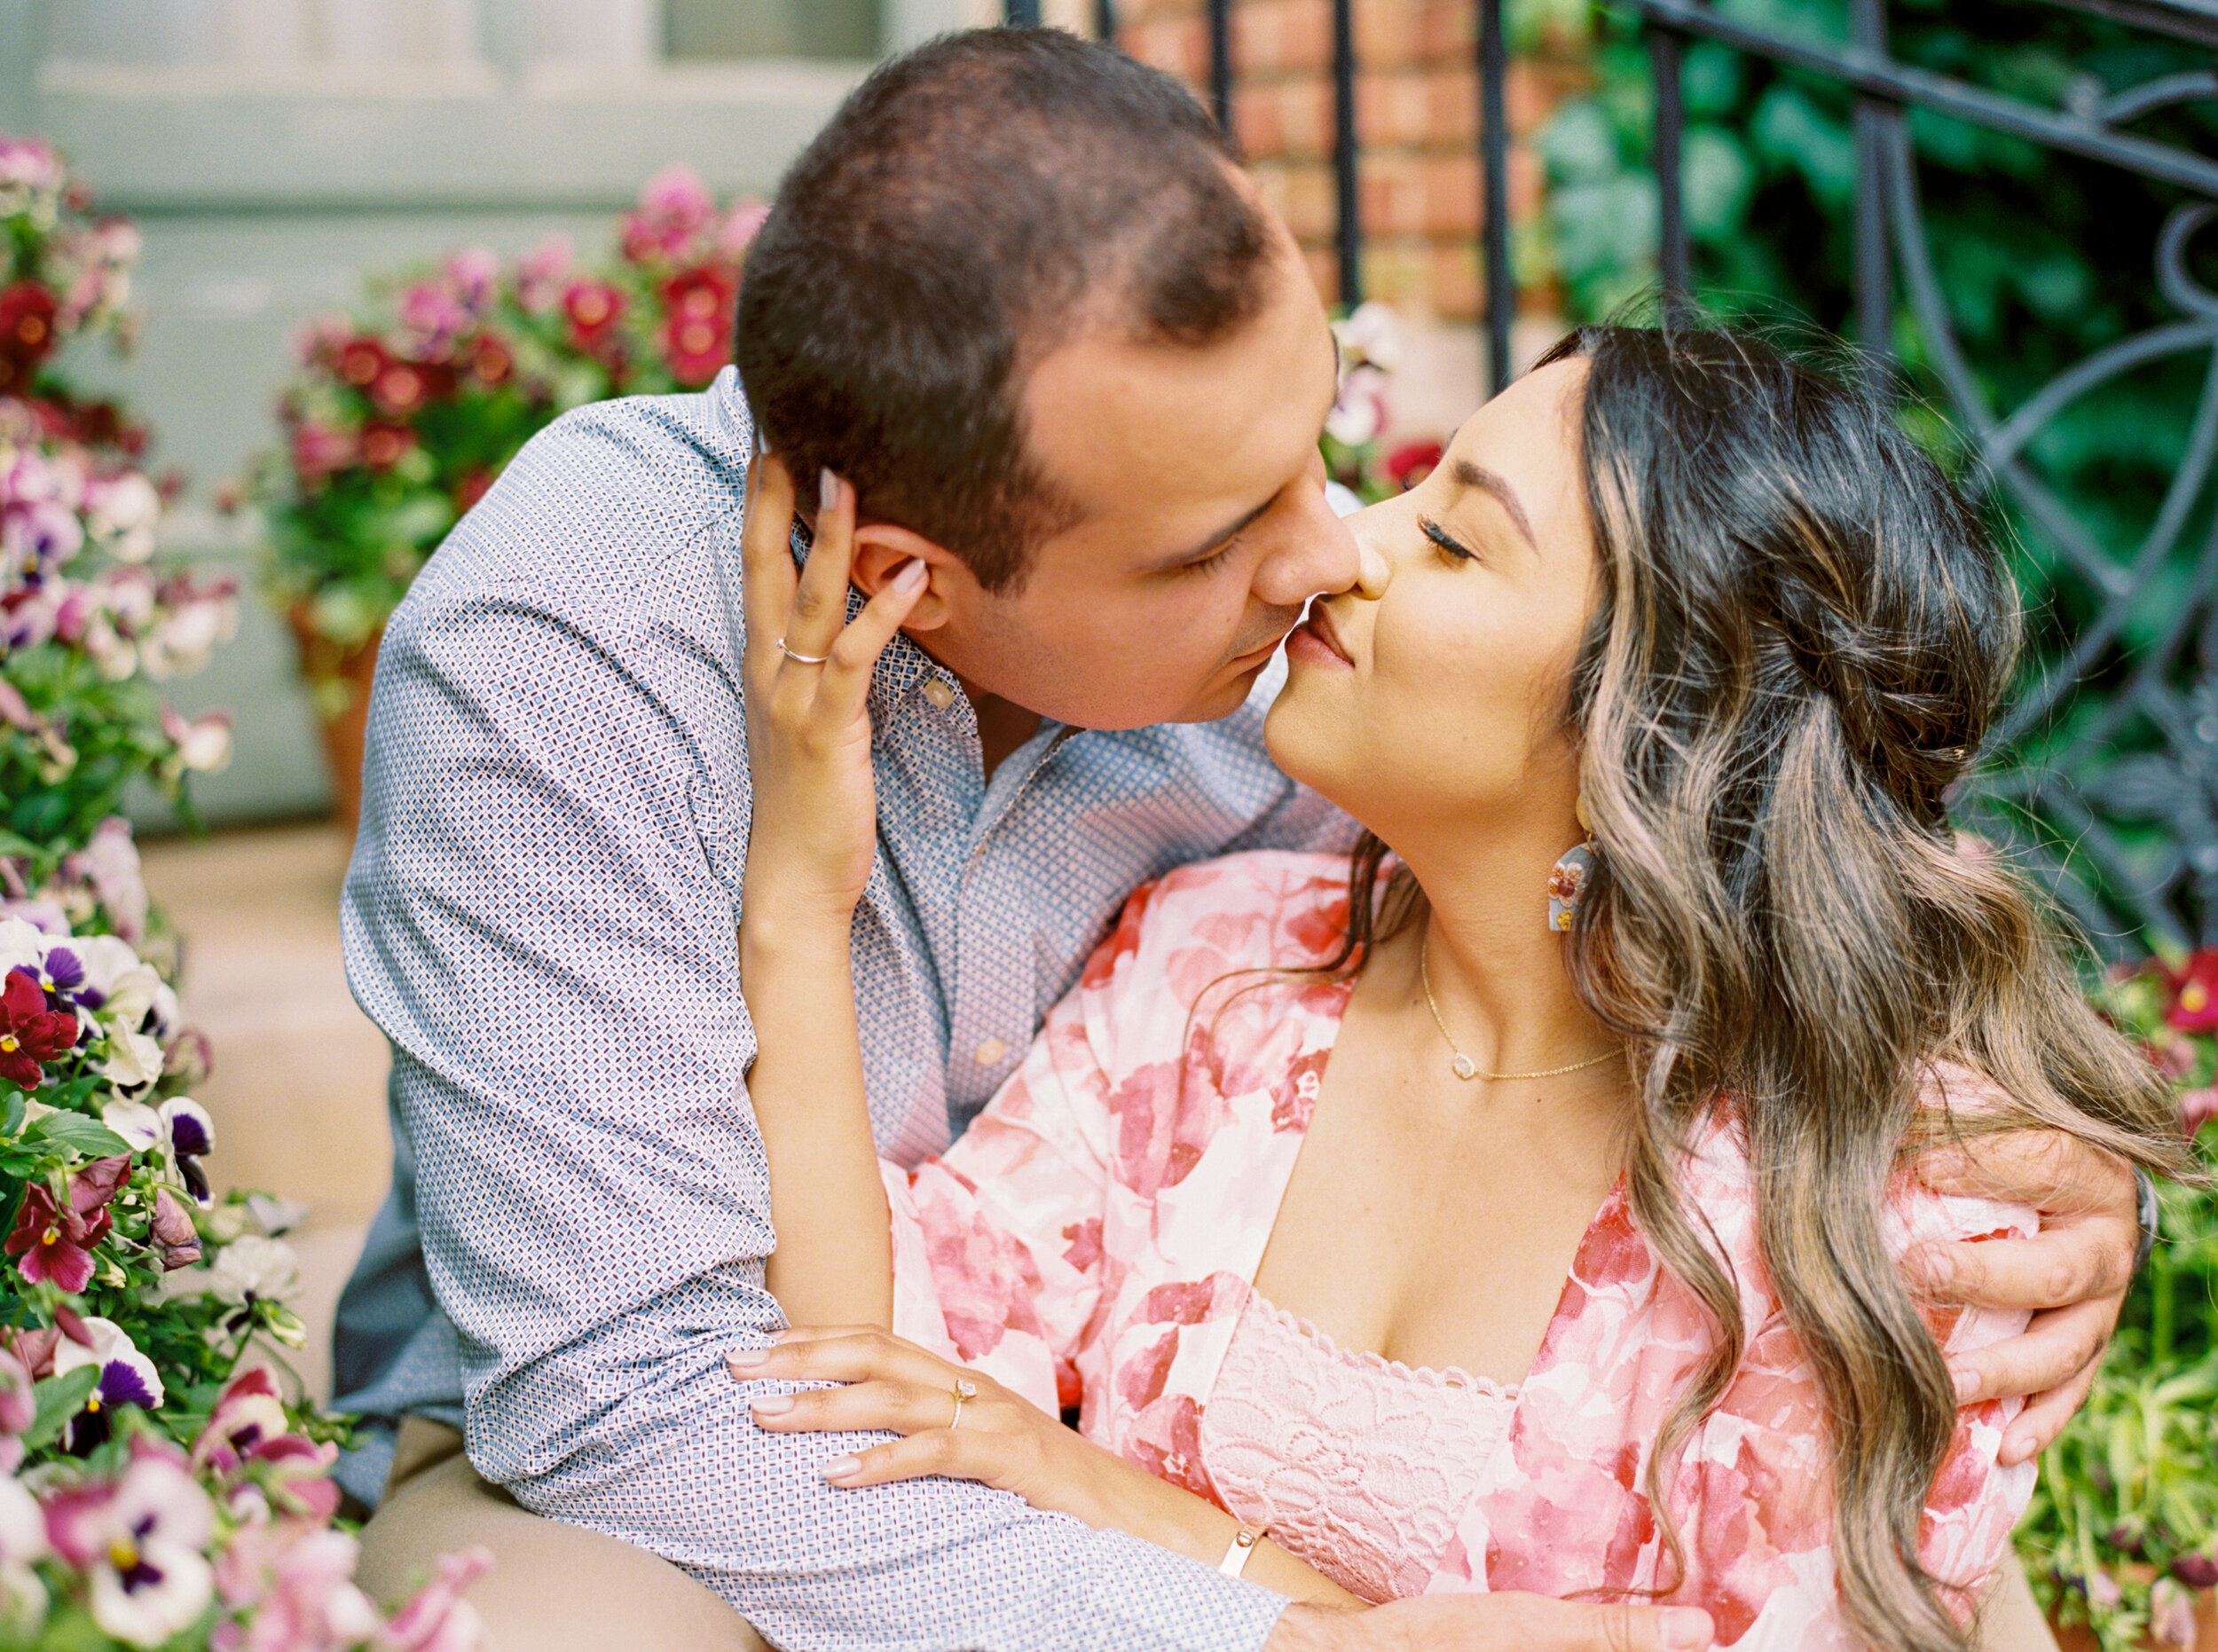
(1213, 560)
(1439, 536)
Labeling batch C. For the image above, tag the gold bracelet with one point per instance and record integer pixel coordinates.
(1243, 1545)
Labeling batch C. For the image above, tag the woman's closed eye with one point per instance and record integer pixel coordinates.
(1452, 548)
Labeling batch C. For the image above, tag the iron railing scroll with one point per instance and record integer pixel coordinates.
(2104, 775)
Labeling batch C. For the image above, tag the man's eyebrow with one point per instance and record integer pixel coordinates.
(1202, 547)
(1464, 474)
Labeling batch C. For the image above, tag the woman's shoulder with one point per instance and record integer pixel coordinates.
(1718, 1180)
(1263, 909)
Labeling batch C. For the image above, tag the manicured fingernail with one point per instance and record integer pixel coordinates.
(746, 1358)
(1965, 1383)
(774, 1405)
(911, 576)
(827, 490)
(840, 1467)
(1684, 1631)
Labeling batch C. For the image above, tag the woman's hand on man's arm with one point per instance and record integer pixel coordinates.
(1002, 1441)
(2072, 1275)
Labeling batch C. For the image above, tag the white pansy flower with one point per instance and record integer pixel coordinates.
(252, 1269)
(21, 946)
(111, 1346)
(22, 1541)
(125, 510)
(134, 1060)
(106, 960)
(1371, 334)
(136, 1122)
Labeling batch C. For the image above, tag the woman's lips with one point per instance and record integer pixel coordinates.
(1315, 640)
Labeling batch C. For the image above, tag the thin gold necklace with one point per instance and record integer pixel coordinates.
(1463, 1066)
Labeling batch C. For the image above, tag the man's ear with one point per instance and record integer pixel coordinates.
(881, 550)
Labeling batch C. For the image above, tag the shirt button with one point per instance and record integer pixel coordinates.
(990, 1052)
(938, 692)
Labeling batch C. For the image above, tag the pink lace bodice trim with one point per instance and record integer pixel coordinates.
(1360, 1465)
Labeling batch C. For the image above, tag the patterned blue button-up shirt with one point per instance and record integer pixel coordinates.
(542, 917)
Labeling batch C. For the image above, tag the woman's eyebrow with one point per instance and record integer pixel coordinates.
(1463, 473)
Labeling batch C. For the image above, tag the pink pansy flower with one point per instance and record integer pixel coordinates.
(739, 231)
(299, 1584)
(2197, 1107)
(2171, 1616)
(541, 273)
(248, 1431)
(674, 208)
(203, 744)
(140, 1539)
(109, 861)
(321, 449)
(248, 1413)
(18, 1407)
(473, 273)
(439, 1620)
(22, 1543)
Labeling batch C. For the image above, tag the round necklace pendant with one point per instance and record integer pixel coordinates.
(1463, 1066)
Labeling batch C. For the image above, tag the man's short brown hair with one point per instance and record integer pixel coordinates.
(970, 206)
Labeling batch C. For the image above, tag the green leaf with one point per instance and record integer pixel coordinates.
(86, 1135)
(59, 1399)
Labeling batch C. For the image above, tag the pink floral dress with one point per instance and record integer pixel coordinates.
(1093, 1237)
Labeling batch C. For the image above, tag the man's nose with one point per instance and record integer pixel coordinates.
(1318, 554)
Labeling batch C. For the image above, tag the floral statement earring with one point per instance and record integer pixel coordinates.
(1567, 879)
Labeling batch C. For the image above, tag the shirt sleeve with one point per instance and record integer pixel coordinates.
(1755, 1492)
(542, 917)
(997, 1243)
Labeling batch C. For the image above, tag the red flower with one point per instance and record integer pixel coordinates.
(593, 309)
(470, 487)
(383, 446)
(400, 390)
(2194, 1007)
(490, 364)
(1411, 463)
(29, 1031)
(697, 335)
(27, 322)
(362, 361)
(57, 1244)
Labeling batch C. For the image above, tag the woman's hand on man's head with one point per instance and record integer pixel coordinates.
(808, 669)
(2072, 1275)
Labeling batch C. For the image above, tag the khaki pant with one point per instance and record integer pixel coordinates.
(558, 1588)
(553, 1588)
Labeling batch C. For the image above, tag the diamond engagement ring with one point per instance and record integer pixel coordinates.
(964, 1389)
(801, 659)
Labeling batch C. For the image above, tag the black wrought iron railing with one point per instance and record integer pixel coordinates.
(2122, 812)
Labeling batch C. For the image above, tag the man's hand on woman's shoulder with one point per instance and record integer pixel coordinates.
(1492, 1622)
(2072, 1275)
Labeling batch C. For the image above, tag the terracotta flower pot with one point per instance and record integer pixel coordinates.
(338, 679)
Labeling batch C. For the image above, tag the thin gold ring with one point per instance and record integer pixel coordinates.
(964, 1389)
(801, 659)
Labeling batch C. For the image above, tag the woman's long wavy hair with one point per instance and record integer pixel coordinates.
(1802, 634)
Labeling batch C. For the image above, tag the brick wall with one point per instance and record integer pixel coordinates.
(1416, 122)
